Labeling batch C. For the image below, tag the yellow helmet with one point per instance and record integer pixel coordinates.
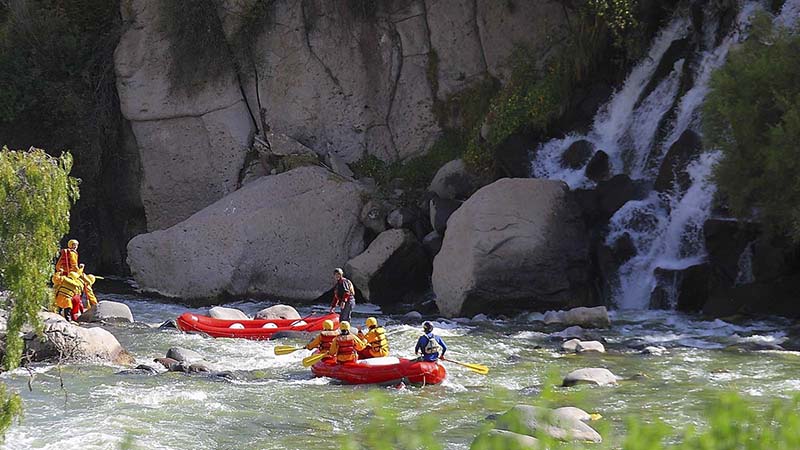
(72, 243)
(327, 325)
(371, 322)
(344, 326)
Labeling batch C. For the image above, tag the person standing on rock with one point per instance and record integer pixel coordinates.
(344, 295)
(429, 345)
(68, 259)
(346, 346)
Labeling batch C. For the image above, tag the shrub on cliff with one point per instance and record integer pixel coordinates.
(753, 115)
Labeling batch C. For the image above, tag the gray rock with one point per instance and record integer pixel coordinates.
(590, 347)
(279, 236)
(373, 216)
(570, 345)
(278, 312)
(339, 166)
(402, 217)
(596, 317)
(573, 412)
(599, 167)
(107, 311)
(393, 265)
(654, 350)
(531, 420)
(502, 439)
(597, 376)
(515, 244)
(453, 181)
(63, 341)
(672, 175)
(440, 210)
(181, 354)
(432, 242)
(412, 315)
(577, 154)
(192, 142)
(221, 312)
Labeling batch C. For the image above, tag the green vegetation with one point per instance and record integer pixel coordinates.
(36, 193)
(733, 424)
(752, 114)
(416, 172)
(534, 96)
(58, 86)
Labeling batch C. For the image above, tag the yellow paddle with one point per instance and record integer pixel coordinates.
(286, 349)
(477, 368)
(309, 361)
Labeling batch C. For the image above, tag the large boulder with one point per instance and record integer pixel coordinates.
(592, 375)
(278, 312)
(453, 181)
(599, 167)
(532, 420)
(223, 313)
(596, 317)
(393, 265)
(278, 236)
(192, 140)
(516, 244)
(373, 216)
(64, 341)
(106, 311)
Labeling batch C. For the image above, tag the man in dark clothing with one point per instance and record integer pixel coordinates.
(344, 295)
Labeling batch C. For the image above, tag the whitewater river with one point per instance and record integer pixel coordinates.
(276, 404)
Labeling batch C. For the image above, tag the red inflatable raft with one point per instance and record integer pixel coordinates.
(386, 370)
(258, 329)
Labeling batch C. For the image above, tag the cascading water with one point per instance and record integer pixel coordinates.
(665, 227)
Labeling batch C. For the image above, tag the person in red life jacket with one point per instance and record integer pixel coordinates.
(377, 343)
(429, 345)
(77, 307)
(324, 339)
(346, 345)
(344, 295)
(68, 259)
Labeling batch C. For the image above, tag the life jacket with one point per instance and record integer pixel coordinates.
(346, 351)
(349, 290)
(378, 344)
(432, 346)
(65, 289)
(67, 261)
(325, 339)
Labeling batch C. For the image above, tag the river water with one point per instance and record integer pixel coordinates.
(275, 403)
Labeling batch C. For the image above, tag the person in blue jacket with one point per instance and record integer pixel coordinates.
(430, 346)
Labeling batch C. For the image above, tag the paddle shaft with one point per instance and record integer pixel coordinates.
(477, 368)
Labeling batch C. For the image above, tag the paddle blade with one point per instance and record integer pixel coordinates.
(286, 349)
(309, 361)
(477, 368)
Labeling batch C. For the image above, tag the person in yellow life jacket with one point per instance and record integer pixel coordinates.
(88, 281)
(67, 287)
(346, 345)
(324, 339)
(377, 344)
(68, 258)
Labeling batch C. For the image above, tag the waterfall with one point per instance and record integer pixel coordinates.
(666, 228)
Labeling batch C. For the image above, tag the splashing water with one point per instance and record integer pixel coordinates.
(665, 228)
